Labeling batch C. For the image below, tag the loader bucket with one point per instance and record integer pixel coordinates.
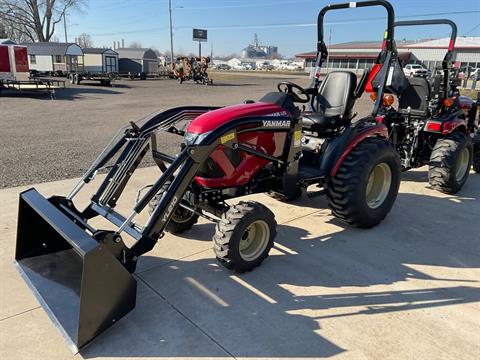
(80, 284)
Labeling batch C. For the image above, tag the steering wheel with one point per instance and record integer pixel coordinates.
(287, 88)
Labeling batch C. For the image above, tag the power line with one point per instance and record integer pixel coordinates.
(283, 25)
(240, 5)
(471, 30)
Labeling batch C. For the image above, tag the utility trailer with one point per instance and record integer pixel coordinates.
(46, 86)
(15, 72)
(105, 79)
(163, 73)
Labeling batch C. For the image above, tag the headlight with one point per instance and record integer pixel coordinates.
(194, 139)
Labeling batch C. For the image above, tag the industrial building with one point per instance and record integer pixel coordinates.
(358, 55)
(257, 51)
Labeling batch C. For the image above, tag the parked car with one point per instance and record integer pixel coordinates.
(415, 70)
(293, 67)
(265, 66)
(475, 74)
(223, 67)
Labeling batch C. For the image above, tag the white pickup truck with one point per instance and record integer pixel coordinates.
(415, 70)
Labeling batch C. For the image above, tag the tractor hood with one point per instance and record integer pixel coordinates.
(213, 119)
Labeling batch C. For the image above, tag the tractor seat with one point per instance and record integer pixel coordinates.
(318, 122)
(414, 99)
(333, 104)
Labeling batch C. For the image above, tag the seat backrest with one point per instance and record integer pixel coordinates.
(336, 94)
(416, 96)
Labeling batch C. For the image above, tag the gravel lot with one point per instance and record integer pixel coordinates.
(44, 140)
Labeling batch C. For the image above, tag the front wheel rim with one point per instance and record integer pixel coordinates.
(462, 165)
(182, 215)
(254, 240)
(378, 186)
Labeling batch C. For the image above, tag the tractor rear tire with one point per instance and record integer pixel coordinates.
(450, 162)
(181, 220)
(363, 190)
(244, 236)
(476, 152)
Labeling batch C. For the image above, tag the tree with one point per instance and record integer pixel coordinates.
(85, 40)
(136, 45)
(3, 31)
(34, 20)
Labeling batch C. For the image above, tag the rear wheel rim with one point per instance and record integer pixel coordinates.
(378, 186)
(254, 240)
(462, 164)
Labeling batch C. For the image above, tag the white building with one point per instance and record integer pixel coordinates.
(358, 55)
(234, 63)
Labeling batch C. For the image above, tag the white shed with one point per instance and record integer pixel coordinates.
(52, 57)
(98, 60)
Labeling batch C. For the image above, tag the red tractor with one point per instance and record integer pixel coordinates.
(254, 147)
(432, 123)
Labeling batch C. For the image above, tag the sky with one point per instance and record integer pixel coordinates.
(231, 24)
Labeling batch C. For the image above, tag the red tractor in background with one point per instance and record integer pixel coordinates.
(432, 124)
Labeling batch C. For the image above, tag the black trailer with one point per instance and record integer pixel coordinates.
(105, 78)
(33, 85)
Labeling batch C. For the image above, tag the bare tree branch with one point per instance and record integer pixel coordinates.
(34, 19)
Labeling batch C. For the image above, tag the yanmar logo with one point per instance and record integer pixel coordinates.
(170, 208)
(276, 123)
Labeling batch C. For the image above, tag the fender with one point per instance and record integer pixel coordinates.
(454, 125)
(373, 131)
(446, 124)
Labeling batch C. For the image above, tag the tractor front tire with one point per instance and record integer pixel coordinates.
(476, 152)
(450, 162)
(244, 236)
(181, 220)
(363, 190)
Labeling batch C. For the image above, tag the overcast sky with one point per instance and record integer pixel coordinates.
(288, 24)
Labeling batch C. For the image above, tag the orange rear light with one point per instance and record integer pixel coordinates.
(448, 102)
(388, 100)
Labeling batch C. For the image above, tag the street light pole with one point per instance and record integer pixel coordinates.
(171, 34)
(65, 26)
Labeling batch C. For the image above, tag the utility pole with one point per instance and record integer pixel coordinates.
(65, 26)
(171, 34)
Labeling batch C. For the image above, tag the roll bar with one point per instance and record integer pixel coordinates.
(451, 46)
(389, 35)
(453, 35)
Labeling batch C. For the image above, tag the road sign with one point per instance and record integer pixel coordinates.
(199, 35)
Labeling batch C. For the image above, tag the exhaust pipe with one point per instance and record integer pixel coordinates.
(79, 282)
